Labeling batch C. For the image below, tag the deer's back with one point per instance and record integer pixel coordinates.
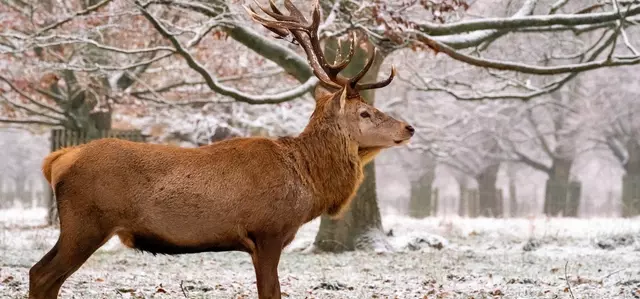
(187, 199)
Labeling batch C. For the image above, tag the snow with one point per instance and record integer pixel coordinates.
(479, 257)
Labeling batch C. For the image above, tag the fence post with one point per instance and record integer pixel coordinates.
(573, 199)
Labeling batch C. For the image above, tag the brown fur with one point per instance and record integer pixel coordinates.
(245, 194)
(48, 161)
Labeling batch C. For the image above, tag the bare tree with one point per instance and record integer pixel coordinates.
(615, 128)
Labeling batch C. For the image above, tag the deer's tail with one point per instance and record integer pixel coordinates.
(47, 164)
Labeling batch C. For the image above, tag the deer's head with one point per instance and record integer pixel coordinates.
(338, 99)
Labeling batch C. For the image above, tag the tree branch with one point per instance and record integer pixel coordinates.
(615, 148)
(28, 122)
(30, 99)
(532, 163)
(86, 11)
(213, 82)
(472, 39)
(433, 29)
(59, 40)
(525, 68)
(288, 59)
(549, 88)
(263, 74)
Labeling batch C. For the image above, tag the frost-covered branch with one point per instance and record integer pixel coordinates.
(262, 74)
(29, 110)
(30, 99)
(288, 59)
(69, 18)
(61, 40)
(28, 122)
(525, 68)
(432, 29)
(473, 38)
(215, 85)
(534, 92)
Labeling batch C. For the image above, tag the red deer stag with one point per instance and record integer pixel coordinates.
(241, 194)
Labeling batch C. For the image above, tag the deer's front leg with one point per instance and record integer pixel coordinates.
(265, 261)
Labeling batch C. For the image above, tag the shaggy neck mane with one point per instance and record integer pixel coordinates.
(328, 162)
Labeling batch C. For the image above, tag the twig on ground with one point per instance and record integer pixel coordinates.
(610, 274)
(182, 288)
(567, 279)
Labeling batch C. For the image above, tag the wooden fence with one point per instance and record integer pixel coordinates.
(61, 138)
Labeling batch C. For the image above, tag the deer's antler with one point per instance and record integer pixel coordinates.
(306, 34)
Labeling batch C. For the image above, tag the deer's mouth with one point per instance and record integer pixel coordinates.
(399, 142)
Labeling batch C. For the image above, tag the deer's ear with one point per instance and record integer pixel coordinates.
(320, 93)
(340, 101)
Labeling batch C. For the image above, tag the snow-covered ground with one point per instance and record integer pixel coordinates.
(479, 258)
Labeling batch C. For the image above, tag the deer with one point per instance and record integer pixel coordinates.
(247, 194)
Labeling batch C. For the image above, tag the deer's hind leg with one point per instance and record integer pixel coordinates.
(78, 240)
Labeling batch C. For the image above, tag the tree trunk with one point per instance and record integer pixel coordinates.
(421, 200)
(463, 204)
(631, 181)
(490, 204)
(630, 195)
(361, 226)
(556, 199)
(469, 202)
(473, 202)
(3, 192)
(573, 199)
(513, 199)
(435, 200)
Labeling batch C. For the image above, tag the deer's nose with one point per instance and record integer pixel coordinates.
(410, 129)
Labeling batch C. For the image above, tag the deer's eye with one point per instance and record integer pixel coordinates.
(365, 114)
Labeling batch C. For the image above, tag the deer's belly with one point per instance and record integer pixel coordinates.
(159, 243)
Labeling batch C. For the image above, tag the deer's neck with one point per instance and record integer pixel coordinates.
(328, 162)
(368, 154)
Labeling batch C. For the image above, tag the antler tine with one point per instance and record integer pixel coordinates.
(354, 80)
(282, 33)
(315, 42)
(276, 14)
(293, 11)
(380, 84)
(286, 23)
(334, 69)
(305, 34)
